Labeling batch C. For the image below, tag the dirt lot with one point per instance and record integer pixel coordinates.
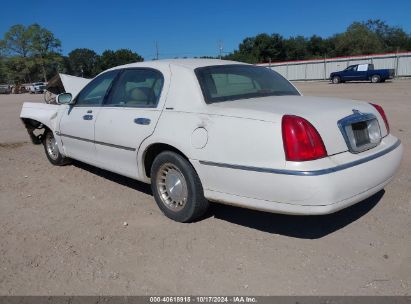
(61, 228)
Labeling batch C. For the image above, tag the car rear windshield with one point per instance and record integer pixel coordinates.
(232, 82)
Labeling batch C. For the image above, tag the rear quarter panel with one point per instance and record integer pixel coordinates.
(229, 140)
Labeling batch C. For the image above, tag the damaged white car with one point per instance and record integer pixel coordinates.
(212, 130)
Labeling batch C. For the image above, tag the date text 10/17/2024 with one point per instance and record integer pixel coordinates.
(203, 299)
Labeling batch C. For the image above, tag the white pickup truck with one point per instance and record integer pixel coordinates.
(37, 88)
(213, 130)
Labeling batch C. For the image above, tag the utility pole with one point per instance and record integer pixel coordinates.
(397, 59)
(221, 48)
(157, 54)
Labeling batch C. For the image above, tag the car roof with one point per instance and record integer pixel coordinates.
(186, 63)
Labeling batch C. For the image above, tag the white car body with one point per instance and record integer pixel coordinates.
(236, 147)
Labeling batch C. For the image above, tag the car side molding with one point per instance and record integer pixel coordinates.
(96, 142)
(305, 173)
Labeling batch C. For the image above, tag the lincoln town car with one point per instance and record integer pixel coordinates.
(201, 130)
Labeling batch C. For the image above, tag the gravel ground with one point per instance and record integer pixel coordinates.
(62, 233)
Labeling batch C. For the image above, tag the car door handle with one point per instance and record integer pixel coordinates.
(142, 121)
(88, 117)
(90, 111)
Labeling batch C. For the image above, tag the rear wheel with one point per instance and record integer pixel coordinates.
(177, 188)
(336, 79)
(52, 150)
(375, 78)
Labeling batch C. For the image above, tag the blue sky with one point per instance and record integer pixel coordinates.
(192, 28)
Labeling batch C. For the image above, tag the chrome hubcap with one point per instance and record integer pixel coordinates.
(172, 187)
(51, 145)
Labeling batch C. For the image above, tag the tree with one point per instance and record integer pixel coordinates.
(317, 47)
(111, 58)
(83, 62)
(260, 48)
(17, 69)
(372, 36)
(31, 50)
(3, 70)
(357, 40)
(296, 48)
(44, 47)
(17, 41)
(393, 38)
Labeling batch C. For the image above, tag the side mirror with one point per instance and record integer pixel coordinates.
(64, 98)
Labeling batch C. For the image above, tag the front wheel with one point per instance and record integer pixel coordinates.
(375, 78)
(336, 79)
(52, 150)
(177, 188)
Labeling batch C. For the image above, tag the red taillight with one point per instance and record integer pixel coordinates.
(382, 113)
(301, 140)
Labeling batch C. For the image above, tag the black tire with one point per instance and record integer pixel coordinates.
(55, 157)
(375, 78)
(336, 80)
(194, 204)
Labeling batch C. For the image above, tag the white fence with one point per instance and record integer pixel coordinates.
(318, 69)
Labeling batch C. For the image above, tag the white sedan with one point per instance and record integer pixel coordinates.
(222, 131)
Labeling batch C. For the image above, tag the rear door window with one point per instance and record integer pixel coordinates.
(139, 88)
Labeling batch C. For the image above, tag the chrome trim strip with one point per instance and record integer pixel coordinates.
(305, 173)
(97, 142)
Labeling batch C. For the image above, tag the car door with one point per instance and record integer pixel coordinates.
(128, 116)
(77, 123)
(362, 72)
(349, 73)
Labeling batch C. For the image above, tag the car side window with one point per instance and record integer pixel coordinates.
(140, 88)
(93, 94)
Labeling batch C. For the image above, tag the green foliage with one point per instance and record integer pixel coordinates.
(17, 41)
(111, 58)
(86, 63)
(18, 69)
(83, 62)
(260, 48)
(357, 40)
(44, 47)
(31, 53)
(392, 38)
(3, 70)
(372, 36)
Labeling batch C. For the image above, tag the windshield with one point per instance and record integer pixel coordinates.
(232, 82)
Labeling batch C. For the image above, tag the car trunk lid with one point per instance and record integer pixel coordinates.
(322, 112)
